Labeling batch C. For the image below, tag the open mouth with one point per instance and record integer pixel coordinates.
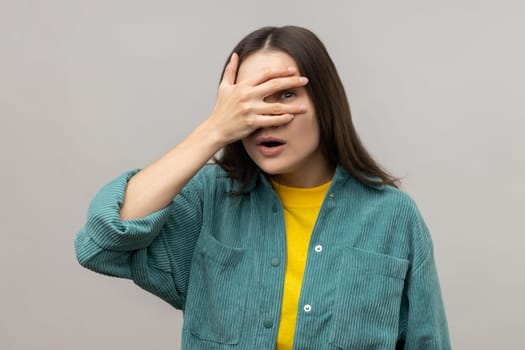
(272, 144)
(269, 141)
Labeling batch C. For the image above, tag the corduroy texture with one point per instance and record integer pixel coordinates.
(210, 254)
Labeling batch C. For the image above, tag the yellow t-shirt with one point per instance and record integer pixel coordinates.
(301, 207)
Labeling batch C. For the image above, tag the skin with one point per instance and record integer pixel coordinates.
(300, 163)
(242, 108)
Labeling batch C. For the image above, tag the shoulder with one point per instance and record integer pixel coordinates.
(386, 197)
(211, 171)
(384, 203)
(399, 199)
(397, 202)
(210, 177)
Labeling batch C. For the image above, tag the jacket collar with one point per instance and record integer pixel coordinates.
(341, 176)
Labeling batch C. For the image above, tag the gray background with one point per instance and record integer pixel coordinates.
(89, 89)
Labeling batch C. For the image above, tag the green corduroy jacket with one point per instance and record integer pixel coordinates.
(370, 280)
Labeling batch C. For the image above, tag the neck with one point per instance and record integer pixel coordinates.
(308, 180)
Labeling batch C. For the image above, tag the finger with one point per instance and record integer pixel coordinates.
(270, 73)
(278, 108)
(231, 69)
(272, 86)
(265, 121)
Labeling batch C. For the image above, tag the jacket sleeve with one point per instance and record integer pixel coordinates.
(424, 321)
(155, 251)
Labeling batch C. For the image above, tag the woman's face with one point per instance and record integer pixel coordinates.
(290, 153)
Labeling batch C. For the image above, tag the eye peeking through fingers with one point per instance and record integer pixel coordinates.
(284, 95)
(281, 96)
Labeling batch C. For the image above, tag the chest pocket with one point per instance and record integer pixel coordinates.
(366, 314)
(217, 292)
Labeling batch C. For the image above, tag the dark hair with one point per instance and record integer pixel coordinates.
(339, 141)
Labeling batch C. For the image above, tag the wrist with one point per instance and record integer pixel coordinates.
(210, 134)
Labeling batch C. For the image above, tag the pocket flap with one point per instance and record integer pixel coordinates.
(377, 263)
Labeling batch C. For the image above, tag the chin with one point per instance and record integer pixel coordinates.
(273, 169)
(270, 170)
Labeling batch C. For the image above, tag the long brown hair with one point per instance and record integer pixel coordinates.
(339, 141)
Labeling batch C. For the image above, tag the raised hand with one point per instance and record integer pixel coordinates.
(241, 107)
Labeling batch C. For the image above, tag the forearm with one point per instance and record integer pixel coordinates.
(239, 111)
(155, 186)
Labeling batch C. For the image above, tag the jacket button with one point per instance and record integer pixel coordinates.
(268, 323)
(276, 261)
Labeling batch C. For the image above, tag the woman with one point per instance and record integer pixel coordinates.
(294, 238)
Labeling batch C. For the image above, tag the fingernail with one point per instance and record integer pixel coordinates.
(304, 80)
(302, 107)
(291, 69)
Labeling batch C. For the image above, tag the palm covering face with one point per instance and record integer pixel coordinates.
(242, 107)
